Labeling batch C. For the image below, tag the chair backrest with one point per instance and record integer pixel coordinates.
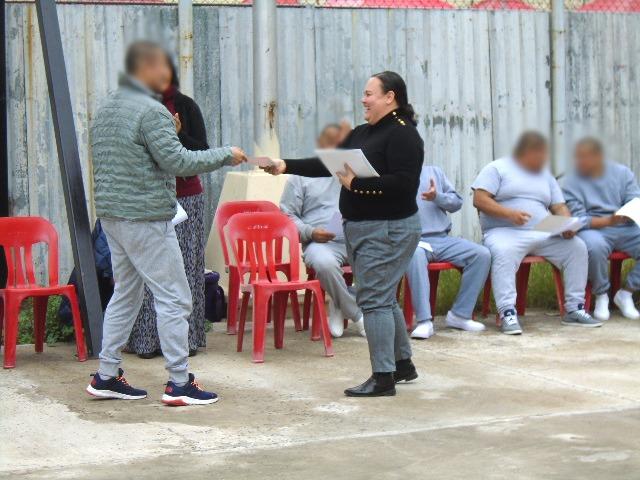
(17, 237)
(257, 238)
(227, 210)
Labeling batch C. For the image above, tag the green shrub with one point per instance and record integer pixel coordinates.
(54, 332)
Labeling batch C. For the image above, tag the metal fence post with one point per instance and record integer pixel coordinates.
(558, 87)
(185, 27)
(265, 87)
(71, 173)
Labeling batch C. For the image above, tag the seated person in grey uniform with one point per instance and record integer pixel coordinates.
(594, 192)
(311, 203)
(513, 194)
(436, 199)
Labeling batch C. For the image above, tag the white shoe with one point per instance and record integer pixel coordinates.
(336, 322)
(359, 326)
(424, 330)
(601, 310)
(624, 300)
(465, 324)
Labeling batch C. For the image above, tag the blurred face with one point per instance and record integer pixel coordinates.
(589, 160)
(154, 72)
(376, 102)
(330, 138)
(534, 159)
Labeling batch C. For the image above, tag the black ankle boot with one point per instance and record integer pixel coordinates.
(405, 371)
(378, 385)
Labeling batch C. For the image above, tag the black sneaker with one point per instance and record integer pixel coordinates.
(116, 387)
(189, 394)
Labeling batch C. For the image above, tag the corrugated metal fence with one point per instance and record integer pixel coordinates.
(477, 78)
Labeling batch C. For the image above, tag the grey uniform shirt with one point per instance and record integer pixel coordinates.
(310, 203)
(514, 187)
(589, 197)
(434, 214)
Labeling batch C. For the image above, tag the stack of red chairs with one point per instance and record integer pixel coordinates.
(256, 239)
(224, 213)
(18, 235)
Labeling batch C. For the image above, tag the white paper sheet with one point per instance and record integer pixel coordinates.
(260, 161)
(426, 245)
(335, 225)
(334, 161)
(556, 224)
(631, 210)
(181, 215)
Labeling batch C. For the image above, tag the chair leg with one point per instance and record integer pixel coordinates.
(306, 309)
(587, 297)
(280, 302)
(616, 276)
(81, 346)
(315, 326)
(39, 321)
(434, 278)
(486, 297)
(11, 313)
(234, 294)
(321, 314)
(522, 284)
(295, 310)
(260, 312)
(557, 278)
(407, 309)
(243, 320)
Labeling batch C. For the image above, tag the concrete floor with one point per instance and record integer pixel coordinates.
(555, 403)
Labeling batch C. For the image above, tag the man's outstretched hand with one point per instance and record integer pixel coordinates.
(238, 156)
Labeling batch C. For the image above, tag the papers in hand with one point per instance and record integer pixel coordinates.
(335, 225)
(631, 210)
(260, 161)
(334, 161)
(556, 224)
(181, 215)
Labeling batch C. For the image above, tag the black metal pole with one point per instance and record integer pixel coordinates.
(4, 157)
(71, 172)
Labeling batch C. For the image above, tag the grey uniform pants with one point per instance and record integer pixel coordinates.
(327, 260)
(146, 253)
(379, 253)
(600, 243)
(474, 260)
(508, 246)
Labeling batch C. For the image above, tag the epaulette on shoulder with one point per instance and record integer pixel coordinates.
(400, 121)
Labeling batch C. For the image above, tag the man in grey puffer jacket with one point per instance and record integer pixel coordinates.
(136, 157)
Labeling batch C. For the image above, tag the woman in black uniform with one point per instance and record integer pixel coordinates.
(381, 224)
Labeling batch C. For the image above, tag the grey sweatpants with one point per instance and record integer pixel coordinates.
(146, 253)
(474, 260)
(327, 260)
(509, 246)
(379, 253)
(600, 243)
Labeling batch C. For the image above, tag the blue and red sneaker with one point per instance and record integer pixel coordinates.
(115, 387)
(189, 394)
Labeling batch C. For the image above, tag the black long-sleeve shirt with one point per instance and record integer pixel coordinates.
(394, 148)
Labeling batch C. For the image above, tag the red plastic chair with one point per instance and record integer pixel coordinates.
(347, 274)
(616, 258)
(224, 213)
(434, 270)
(522, 283)
(17, 236)
(256, 237)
